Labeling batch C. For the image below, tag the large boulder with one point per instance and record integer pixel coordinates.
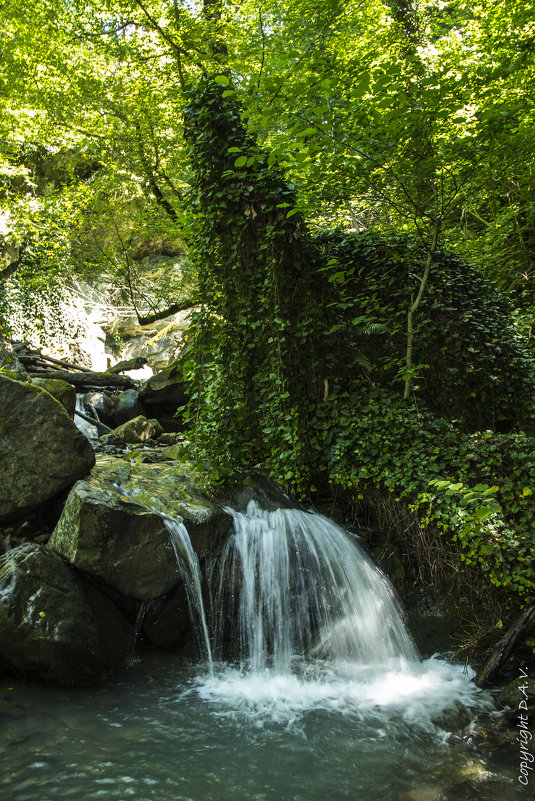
(165, 390)
(134, 432)
(112, 526)
(41, 450)
(112, 539)
(62, 391)
(159, 342)
(54, 627)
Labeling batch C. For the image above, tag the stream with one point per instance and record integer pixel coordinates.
(311, 689)
(168, 731)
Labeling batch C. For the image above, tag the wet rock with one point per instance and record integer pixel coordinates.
(166, 622)
(519, 697)
(103, 403)
(62, 391)
(116, 541)
(54, 627)
(134, 432)
(41, 450)
(127, 406)
(112, 529)
(165, 391)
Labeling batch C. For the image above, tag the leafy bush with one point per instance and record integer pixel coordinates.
(472, 362)
(475, 489)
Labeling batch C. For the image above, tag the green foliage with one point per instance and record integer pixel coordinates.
(34, 299)
(258, 281)
(471, 361)
(474, 489)
(300, 344)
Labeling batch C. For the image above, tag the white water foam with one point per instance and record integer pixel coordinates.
(429, 696)
(316, 626)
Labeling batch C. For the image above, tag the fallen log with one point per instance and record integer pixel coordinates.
(188, 303)
(101, 428)
(30, 357)
(128, 364)
(87, 378)
(520, 629)
(60, 363)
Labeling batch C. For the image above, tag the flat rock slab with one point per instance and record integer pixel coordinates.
(54, 627)
(41, 450)
(112, 526)
(115, 540)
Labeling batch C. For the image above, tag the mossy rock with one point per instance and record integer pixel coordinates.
(133, 432)
(54, 627)
(112, 526)
(62, 391)
(41, 450)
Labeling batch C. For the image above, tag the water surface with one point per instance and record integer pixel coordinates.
(169, 731)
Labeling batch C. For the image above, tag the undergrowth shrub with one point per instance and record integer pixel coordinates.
(473, 489)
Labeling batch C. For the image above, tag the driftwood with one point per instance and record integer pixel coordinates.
(34, 358)
(87, 378)
(128, 364)
(101, 428)
(173, 309)
(520, 629)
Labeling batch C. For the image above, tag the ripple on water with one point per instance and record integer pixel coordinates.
(172, 733)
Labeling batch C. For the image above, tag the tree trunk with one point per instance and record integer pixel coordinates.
(414, 308)
(87, 379)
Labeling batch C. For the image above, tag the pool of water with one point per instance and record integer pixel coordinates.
(168, 731)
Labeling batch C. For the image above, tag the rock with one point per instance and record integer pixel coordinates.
(54, 627)
(103, 403)
(10, 362)
(165, 390)
(134, 432)
(127, 406)
(116, 541)
(41, 450)
(62, 391)
(519, 696)
(127, 365)
(159, 342)
(166, 622)
(112, 529)
(171, 438)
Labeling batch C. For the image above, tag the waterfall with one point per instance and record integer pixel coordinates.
(188, 564)
(191, 575)
(90, 431)
(292, 587)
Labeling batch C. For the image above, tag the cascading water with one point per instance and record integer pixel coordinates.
(90, 431)
(188, 564)
(307, 622)
(191, 575)
(325, 699)
(305, 589)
